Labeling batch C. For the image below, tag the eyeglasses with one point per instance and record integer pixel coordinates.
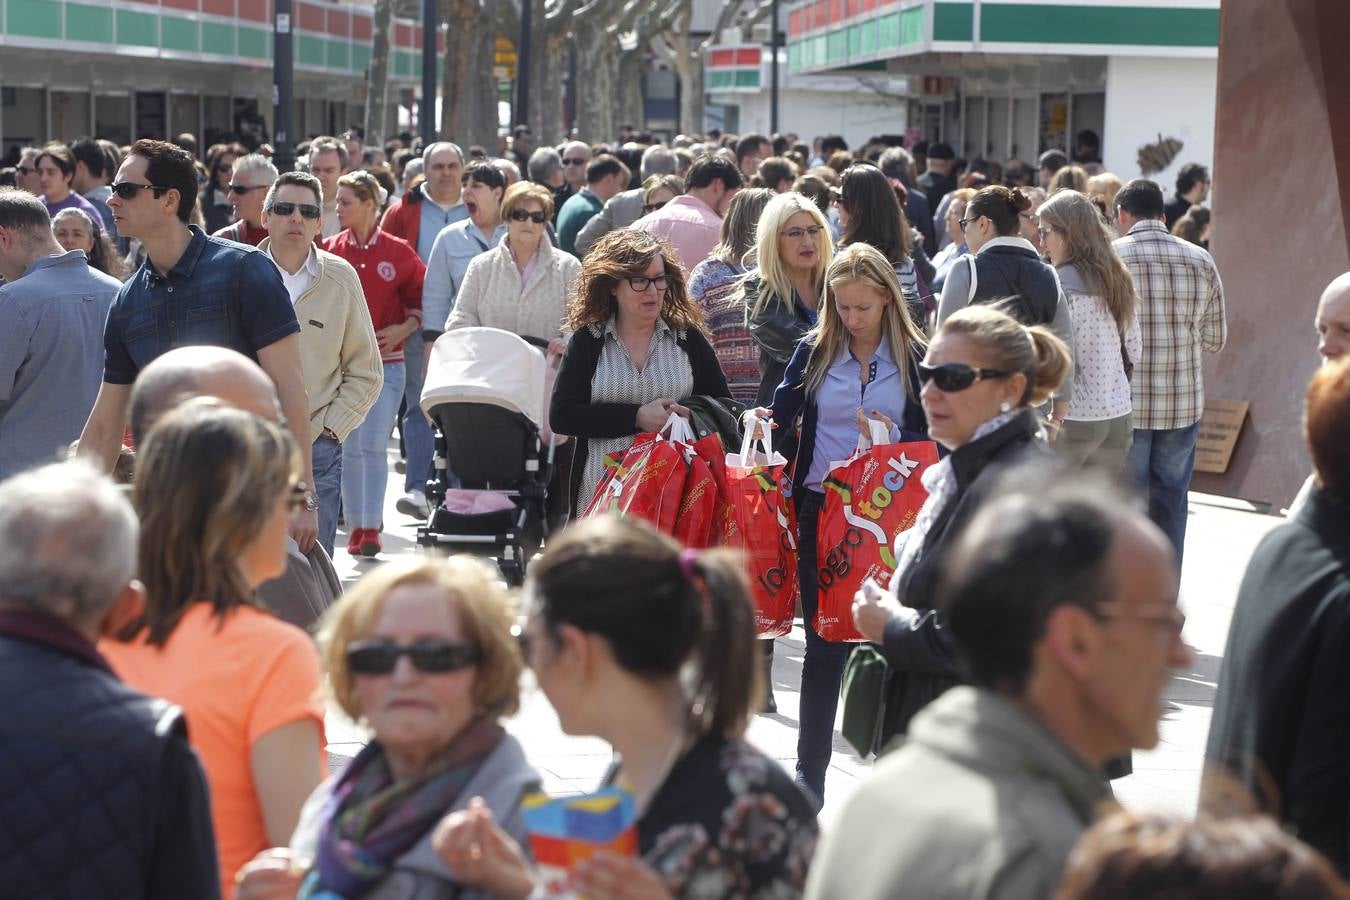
(298, 498)
(128, 190)
(1044, 232)
(538, 216)
(653, 207)
(428, 655)
(954, 377)
(964, 222)
(1165, 613)
(640, 283)
(286, 209)
(242, 189)
(575, 161)
(796, 234)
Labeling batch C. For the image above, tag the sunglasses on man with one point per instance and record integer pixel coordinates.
(575, 161)
(429, 656)
(128, 190)
(242, 189)
(536, 216)
(286, 209)
(954, 377)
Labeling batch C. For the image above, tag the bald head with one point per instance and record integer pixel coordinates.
(1333, 319)
(200, 372)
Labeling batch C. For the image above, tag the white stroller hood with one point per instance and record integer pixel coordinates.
(486, 365)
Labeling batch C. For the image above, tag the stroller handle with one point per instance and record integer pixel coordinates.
(542, 343)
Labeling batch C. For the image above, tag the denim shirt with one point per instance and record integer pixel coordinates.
(219, 293)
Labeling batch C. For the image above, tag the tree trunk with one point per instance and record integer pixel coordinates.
(377, 74)
(468, 92)
(632, 109)
(596, 95)
(548, 70)
(692, 96)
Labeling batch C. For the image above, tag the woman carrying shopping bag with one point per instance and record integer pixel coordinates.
(863, 355)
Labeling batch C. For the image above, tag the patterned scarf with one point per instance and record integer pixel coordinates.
(370, 820)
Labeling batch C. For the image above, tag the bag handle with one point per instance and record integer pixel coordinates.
(748, 422)
(679, 429)
(878, 436)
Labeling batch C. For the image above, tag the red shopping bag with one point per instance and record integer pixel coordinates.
(698, 511)
(647, 481)
(869, 499)
(759, 522)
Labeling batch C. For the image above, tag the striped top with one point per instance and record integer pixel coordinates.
(713, 284)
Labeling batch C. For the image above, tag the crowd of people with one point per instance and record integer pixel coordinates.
(238, 346)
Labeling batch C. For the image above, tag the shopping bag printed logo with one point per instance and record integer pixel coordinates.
(760, 523)
(869, 500)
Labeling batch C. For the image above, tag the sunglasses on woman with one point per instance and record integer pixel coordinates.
(954, 377)
(128, 190)
(653, 207)
(538, 216)
(286, 209)
(428, 655)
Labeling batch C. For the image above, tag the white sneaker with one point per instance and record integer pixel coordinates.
(414, 503)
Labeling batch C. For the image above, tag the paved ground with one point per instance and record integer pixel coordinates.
(1220, 539)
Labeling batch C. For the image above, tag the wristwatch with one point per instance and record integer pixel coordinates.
(311, 501)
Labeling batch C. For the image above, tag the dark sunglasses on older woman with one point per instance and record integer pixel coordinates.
(520, 215)
(285, 209)
(954, 377)
(430, 656)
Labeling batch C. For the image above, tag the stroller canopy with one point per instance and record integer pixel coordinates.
(486, 365)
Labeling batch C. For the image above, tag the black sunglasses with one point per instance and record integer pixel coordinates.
(538, 217)
(653, 207)
(954, 377)
(285, 209)
(242, 189)
(378, 657)
(128, 190)
(575, 161)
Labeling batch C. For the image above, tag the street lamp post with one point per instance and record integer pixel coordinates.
(427, 109)
(522, 115)
(283, 88)
(773, 71)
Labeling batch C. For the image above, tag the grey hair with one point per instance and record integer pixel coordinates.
(657, 160)
(895, 163)
(543, 163)
(414, 168)
(508, 169)
(437, 147)
(67, 542)
(256, 162)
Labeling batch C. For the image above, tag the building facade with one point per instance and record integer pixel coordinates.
(1011, 78)
(126, 69)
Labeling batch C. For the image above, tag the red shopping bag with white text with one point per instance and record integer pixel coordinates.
(699, 508)
(869, 499)
(647, 481)
(759, 522)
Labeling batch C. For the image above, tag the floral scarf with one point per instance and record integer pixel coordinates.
(369, 820)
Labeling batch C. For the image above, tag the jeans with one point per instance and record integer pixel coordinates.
(327, 457)
(1160, 462)
(419, 443)
(823, 664)
(365, 455)
(1101, 444)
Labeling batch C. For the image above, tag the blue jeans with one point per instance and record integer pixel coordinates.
(365, 455)
(823, 664)
(418, 442)
(327, 460)
(1160, 462)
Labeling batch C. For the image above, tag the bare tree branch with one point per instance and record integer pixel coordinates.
(880, 89)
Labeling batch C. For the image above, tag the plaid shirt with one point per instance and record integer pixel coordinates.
(1181, 313)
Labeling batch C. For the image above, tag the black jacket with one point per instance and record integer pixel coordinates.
(776, 329)
(1018, 273)
(1282, 713)
(100, 793)
(923, 660)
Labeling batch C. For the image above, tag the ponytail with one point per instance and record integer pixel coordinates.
(729, 685)
(1051, 366)
(1001, 205)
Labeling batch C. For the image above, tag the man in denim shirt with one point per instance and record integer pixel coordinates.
(52, 305)
(192, 289)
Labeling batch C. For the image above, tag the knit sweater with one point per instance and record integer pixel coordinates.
(493, 295)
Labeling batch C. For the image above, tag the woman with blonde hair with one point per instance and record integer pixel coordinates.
(216, 489)
(1069, 178)
(1106, 339)
(391, 276)
(1103, 189)
(658, 190)
(982, 377)
(638, 348)
(421, 652)
(859, 361)
(793, 246)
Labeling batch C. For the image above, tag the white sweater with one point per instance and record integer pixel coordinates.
(492, 294)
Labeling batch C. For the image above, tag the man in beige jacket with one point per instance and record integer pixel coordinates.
(338, 349)
(1062, 600)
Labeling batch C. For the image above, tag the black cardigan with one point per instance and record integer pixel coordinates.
(571, 411)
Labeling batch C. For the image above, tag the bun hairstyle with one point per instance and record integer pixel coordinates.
(1001, 205)
(661, 609)
(1009, 345)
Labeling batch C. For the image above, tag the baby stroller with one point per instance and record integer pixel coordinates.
(484, 394)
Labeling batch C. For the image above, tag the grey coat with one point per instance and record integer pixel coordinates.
(420, 874)
(982, 803)
(619, 211)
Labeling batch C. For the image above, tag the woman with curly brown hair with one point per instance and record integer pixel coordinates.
(638, 347)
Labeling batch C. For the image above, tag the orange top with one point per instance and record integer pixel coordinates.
(235, 681)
